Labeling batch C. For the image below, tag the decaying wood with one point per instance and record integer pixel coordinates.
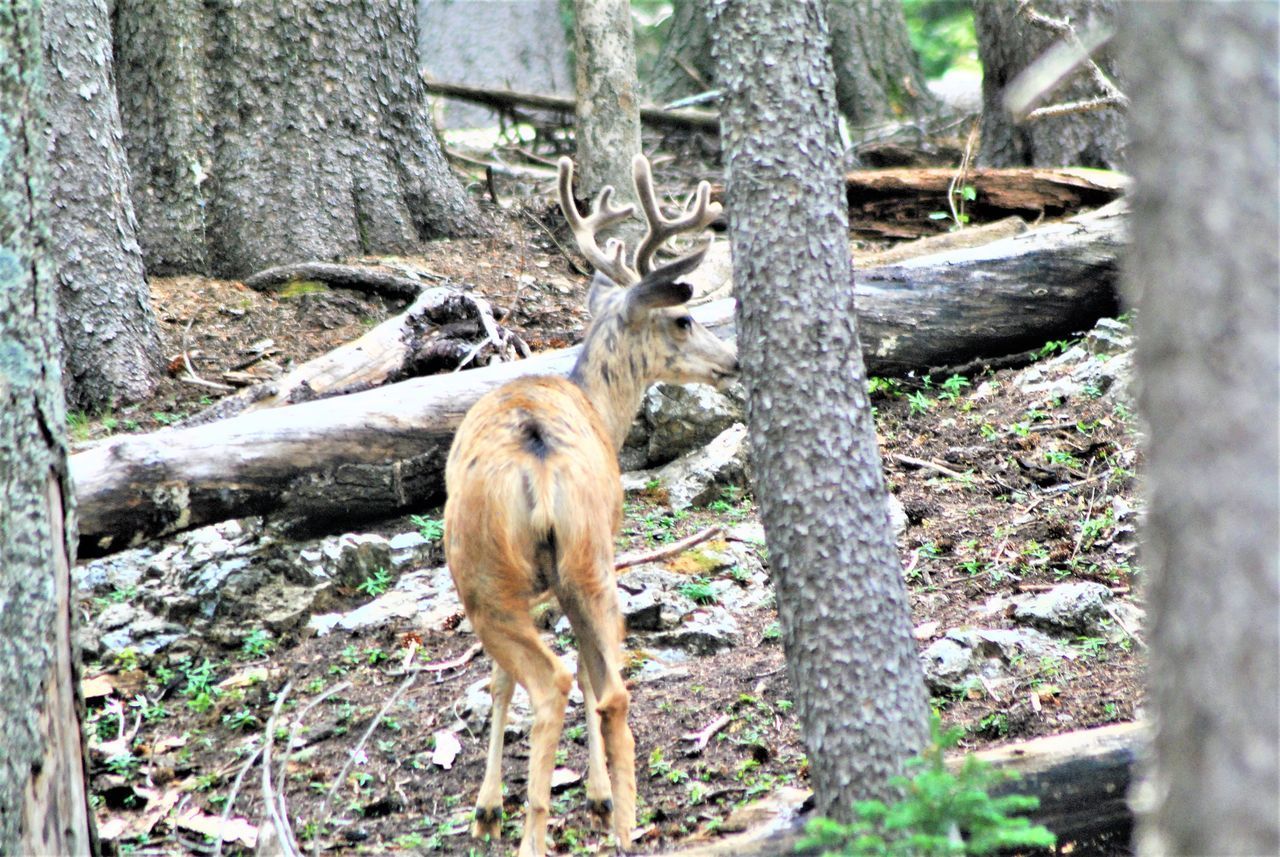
(1081, 778)
(442, 330)
(353, 277)
(505, 99)
(381, 452)
(898, 203)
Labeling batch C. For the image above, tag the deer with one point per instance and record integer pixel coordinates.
(535, 501)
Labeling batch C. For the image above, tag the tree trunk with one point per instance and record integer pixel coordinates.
(608, 102)
(261, 134)
(851, 658)
(684, 65)
(44, 807)
(1007, 44)
(110, 345)
(878, 76)
(381, 452)
(1206, 122)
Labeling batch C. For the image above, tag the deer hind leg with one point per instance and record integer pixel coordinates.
(599, 791)
(488, 814)
(513, 642)
(598, 626)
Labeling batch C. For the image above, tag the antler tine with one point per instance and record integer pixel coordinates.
(698, 212)
(612, 260)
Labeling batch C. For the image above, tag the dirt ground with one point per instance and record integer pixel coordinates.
(1035, 507)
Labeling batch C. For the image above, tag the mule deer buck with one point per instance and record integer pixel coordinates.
(535, 501)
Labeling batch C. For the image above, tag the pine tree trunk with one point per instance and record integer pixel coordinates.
(110, 345)
(261, 134)
(1007, 44)
(841, 600)
(44, 807)
(1206, 125)
(684, 65)
(608, 114)
(878, 76)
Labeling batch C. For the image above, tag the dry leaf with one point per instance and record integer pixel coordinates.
(564, 777)
(235, 829)
(447, 749)
(96, 687)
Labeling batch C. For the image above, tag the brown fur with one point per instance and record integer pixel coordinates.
(535, 501)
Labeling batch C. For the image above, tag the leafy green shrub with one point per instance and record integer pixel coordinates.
(940, 813)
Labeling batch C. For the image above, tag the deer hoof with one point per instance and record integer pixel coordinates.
(600, 807)
(488, 822)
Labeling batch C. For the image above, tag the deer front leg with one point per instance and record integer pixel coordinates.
(599, 791)
(488, 813)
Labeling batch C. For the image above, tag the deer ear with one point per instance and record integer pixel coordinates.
(602, 291)
(661, 287)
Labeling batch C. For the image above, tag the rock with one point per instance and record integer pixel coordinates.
(1109, 337)
(704, 632)
(1073, 608)
(968, 655)
(424, 599)
(699, 477)
(681, 418)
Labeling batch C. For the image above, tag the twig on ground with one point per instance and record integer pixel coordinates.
(706, 733)
(440, 666)
(930, 465)
(323, 815)
(630, 559)
(273, 802)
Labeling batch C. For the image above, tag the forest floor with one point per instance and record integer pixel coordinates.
(1036, 505)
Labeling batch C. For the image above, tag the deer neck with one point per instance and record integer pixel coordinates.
(614, 381)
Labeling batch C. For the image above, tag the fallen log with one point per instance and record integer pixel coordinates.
(441, 331)
(353, 277)
(1082, 779)
(379, 453)
(507, 99)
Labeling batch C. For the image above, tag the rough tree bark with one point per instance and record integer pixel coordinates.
(878, 76)
(1007, 44)
(262, 133)
(608, 127)
(841, 600)
(44, 807)
(684, 65)
(1206, 121)
(110, 344)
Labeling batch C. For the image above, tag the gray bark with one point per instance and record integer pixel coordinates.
(1006, 45)
(110, 344)
(684, 65)
(608, 128)
(841, 601)
(262, 133)
(1206, 121)
(878, 76)
(43, 802)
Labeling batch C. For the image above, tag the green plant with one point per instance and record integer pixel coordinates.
(920, 403)
(376, 584)
(888, 387)
(937, 808)
(699, 591)
(1091, 529)
(123, 764)
(1062, 458)
(431, 529)
(952, 387)
(242, 719)
(199, 689)
(376, 655)
(772, 632)
(256, 644)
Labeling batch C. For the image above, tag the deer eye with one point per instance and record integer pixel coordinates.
(684, 322)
